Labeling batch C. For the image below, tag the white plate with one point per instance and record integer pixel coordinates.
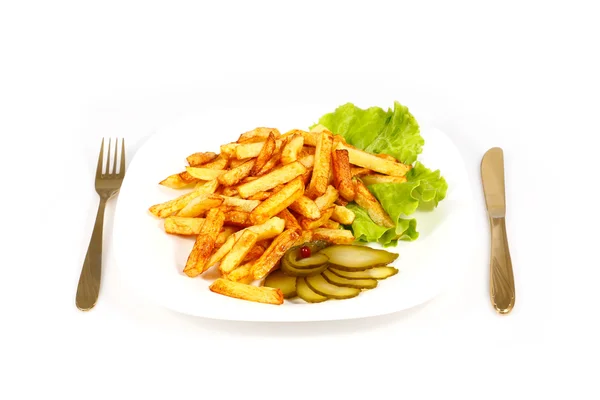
(151, 261)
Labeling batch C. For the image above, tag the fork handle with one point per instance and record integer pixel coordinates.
(89, 280)
(502, 282)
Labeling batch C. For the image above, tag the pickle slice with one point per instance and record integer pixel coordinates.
(316, 259)
(306, 293)
(278, 280)
(349, 257)
(318, 284)
(351, 283)
(371, 273)
(288, 269)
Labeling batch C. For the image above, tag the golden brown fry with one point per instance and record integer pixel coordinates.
(240, 204)
(251, 150)
(337, 236)
(197, 159)
(320, 174)
(310, 138)
(386, 157)
(342, 174)
(305, 237)
(218, 163)
(237, 218)
(274, 160)
(226, 231)
(259, 134)
(229, 191)
(234, 162)
(307, 151)
(330, 224)
(278, 202)
(238, 290)
(205, 174)
(178, 181)
(290, 221)
(238, 252)
(200, 205)
(308, 161)
(165, 209)
(183, 226)
(366, 200)
(228, 150)
(292, 149)
(276, 177)
(360, 171)
(341, 202)
(343, 215)
(273, 254)
(259, 196)
(310, 224)
(264, 156)
(205, 243)
(242, 274)
(372, 179)
(306, 207)
(235, 175)
(377, 164)
(306, 177)
(256, 251)
(327, 199)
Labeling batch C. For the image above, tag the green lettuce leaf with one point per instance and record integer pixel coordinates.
(394, 132)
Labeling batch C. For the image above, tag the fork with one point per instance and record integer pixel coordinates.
(107, 185)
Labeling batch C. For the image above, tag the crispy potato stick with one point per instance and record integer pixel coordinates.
(242, 274)
(327, 199)
(337, 236)
(307, 151)
(198, 159)
(235, 175)
(226, 231)
(259, 294)
(251, 150)
(292, 149)
(342, 174)
(366, 200)
(165, 209)
(372, 179)
(229, 191)
(306, 177)
(341, 202)
(269, 181)
(234, 162)
(238, 252)
(205, 174)
(343, 215)
(309, 224)
(183, 226)
(272, 163)
(259, 196)
(320, 174)
(264, 156)
(290, 221)
(218, 163)
(330, 224)
(240, 204)
(260, 134)
(238, 218)
(268, 230)
(368, 160)
(255, 252)
(360, 171)
(308, 161)
(306, 207)
(200, 205)
(310, 138)
(178, 181)
(205, 243)
(273, 254)
(278, 202)
(386, 157)
(305, 237)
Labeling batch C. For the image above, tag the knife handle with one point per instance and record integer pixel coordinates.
(502, 282)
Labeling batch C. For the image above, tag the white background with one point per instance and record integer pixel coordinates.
(522, 75)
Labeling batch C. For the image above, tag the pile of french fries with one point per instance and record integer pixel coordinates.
(266, 193)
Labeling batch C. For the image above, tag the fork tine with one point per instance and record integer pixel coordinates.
(114, 168)
(100, 160)
(122, 167)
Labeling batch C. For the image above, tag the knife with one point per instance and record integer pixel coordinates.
(502, 282)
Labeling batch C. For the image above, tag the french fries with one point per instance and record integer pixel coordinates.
(220, 162)
(236, 174)
(205, 243)
(310, 224)
(197, 159)
(337, 236)
(239, 290)
(205, 174)
(200, 205)
(269, 181)
(240, 204)
(331, 224)
(366, 200)
(342, 174)
(265, 155)
(371, 161)
(278, 202)
(178, 181)
(249, 150)
(242, 274)
(371, 179)
(327, 198)
(290, 221)
(170, 207)
(260, 134)
(238, 218)
(292, 149)
(320, 174)
(238, 252)
(183, 226)
(306, 207)
(273, 254)
(343, 215)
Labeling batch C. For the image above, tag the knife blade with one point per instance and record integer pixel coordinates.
(502, 284)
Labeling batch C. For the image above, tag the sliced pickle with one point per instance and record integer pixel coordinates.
(318, 284)
(351, 283)
(288, 269)
(349, 257)
(278, 280)
(371, 273)
(306, 293)
(295, 260)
